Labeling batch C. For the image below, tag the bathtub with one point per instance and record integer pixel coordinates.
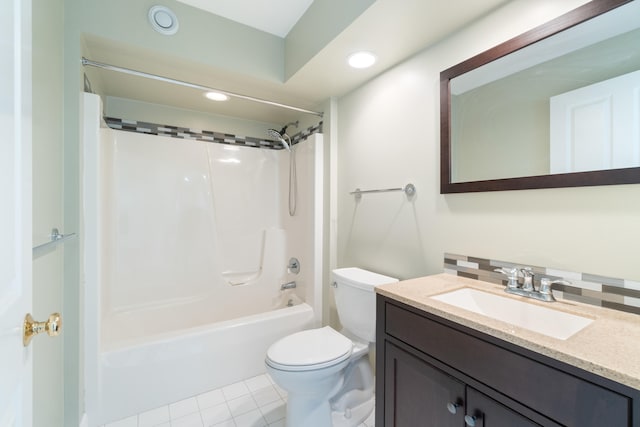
(174, 365)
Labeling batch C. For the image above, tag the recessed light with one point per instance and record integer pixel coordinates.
(216, 96)
(362, 59)
(163, 20)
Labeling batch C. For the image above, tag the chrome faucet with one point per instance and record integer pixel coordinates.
(527, 288)
(527, 279)
(289, 285)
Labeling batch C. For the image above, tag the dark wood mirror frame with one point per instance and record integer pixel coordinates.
(576, 179)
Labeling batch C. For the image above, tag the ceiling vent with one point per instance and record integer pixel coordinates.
(163, 20)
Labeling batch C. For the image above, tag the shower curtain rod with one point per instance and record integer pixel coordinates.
(91, 63)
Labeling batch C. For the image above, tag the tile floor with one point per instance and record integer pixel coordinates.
(255, 402)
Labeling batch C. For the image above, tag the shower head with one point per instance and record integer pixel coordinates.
(280, 137)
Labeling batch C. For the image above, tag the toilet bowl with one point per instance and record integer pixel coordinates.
(328, 379)
(309, 365)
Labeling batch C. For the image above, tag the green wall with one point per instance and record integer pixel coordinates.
(47, 165)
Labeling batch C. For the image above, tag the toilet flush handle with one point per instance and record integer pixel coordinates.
(334, 284)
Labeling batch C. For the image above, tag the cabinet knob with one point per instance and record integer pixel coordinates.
(453, 407)
(470, 420)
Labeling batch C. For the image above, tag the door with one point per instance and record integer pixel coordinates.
(596, 127)
(415, 390)
(15, 211)
(482, 411)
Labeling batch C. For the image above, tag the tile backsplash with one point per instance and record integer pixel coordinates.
(205, 135)
(609, 292)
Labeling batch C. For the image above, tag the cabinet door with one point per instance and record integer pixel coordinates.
(417, 394)
(489, 413)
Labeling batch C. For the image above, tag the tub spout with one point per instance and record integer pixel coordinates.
(289, 285)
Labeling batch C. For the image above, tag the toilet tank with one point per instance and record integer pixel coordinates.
(356, 300)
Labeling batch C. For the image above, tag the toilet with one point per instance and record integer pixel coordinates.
(326, 373)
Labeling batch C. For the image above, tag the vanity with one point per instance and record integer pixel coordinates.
(438, 364)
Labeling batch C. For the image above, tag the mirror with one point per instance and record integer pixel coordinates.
(558, 106)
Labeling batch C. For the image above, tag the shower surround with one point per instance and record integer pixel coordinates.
(186, 245)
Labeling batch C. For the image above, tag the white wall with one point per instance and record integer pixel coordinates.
(389, 135)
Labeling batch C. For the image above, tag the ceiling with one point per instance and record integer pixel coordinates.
(393, 29)
(276, 17)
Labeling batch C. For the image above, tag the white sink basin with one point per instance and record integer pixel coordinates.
(547, 321)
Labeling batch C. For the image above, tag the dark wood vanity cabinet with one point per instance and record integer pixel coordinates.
(435, 373)
(425, 396)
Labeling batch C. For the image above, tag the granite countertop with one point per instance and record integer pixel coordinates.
(609, 346)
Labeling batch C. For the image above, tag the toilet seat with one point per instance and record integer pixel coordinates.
(309, 350)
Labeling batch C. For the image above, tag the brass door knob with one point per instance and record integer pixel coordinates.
(53, 327)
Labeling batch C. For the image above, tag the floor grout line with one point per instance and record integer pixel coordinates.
(186, 419)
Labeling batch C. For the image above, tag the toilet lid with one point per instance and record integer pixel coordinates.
(310, 349)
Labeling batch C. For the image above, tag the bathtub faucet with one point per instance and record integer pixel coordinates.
(289, 285)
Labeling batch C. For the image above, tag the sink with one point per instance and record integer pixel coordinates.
(546, 321)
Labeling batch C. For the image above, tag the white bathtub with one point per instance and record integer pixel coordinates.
(179, 364)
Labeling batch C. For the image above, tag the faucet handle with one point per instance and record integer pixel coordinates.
(527, 272)
(546, 285)
(512, 275)
(527, 279)
(508, 271)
